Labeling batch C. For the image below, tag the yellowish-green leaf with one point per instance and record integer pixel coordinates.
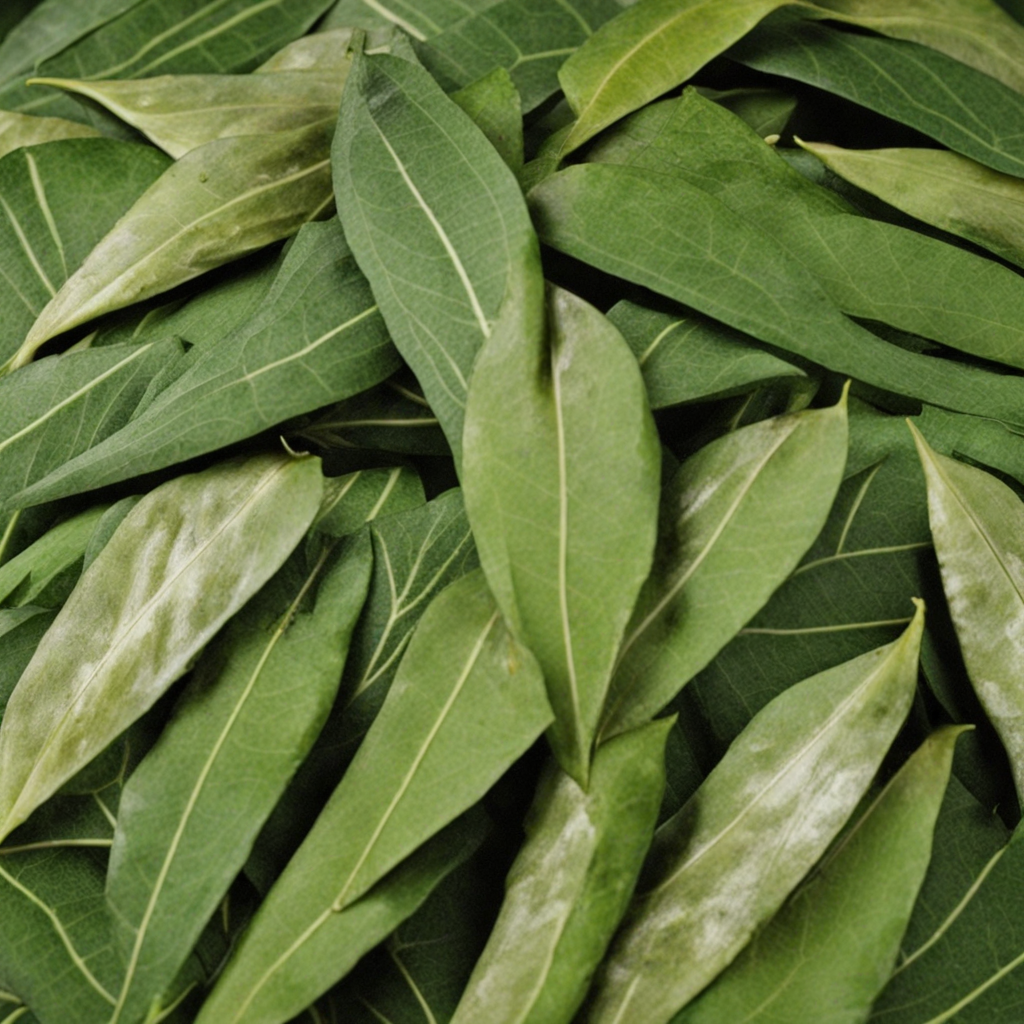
(17, 130)
(182, 562)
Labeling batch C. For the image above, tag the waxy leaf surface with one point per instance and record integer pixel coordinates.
(724, 864)
(466, 703)
(184, 560)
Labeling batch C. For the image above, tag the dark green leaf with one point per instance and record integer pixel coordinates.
(493, 103)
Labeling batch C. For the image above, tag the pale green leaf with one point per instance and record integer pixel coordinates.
(194, 550)
(558, 435)
(736, 520)
(17, 130)
(725, 863)
(466, 703)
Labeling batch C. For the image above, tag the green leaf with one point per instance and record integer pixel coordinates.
(558, 432)
(724, 864)
(766, 488)
(976, 522)
(963, 109)
(46, 231)
(440, 251)
(194, 549)
(493, 103)
(827, 954)
(419, 19)
(570, 885)
(869, 269)
(660, 231)
(218, 202)
(191, 811)
(21, 629)
(685, 357)
(943, 189)
(466, 703)
(17, 130)
(353, 500)
(766, 111)
(529, 38)
(317, 337)
(61, 406)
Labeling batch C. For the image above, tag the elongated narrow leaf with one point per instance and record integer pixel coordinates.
(941, 188)
(194, 550)
(766, 488)
(316, 338)
(45, 233)
(466, 703)
(869, 269)
(17, 130)
(217, 203)
(685, 357)
(494, 104)
(61, 406)
(963, 109)
(724, 864)
(192, 809)
(976, 522)
(827, 954)
(659, 231)
(440, 251)
(570, 885)
(419, 19)
(21, 629)
(558, 432)
(531, 39)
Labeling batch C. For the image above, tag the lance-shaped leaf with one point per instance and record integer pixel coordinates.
(685, 357)
(494, 104)
(45, 231)
(660, 231)
(63, 405)
(17, 130)
(466, 703)
(190, 812)
(941, 188)
(766, 488)
(570, 884)
(724, 864)
(976, 523)
(192, 552)
(830, 950)
(316, 338)
(440, 250)
(963, 109)
(216, 203)
(529, 38)
(559, 434)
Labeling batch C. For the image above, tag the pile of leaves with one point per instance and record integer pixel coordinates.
(510, 511)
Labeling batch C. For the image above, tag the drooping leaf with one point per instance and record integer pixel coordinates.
(685, 357)
(827, 954)
(724, 864)
(943, 189)
(191, 811)
(317, 337)
(766, 488)
(976, 522)
(570, 885)
(493, 103)
(466, 703)
(440, 251)
(193, 551)
(17, 130)
(659, 231)
(558, 432)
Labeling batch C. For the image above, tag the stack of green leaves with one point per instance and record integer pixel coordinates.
(511, 511)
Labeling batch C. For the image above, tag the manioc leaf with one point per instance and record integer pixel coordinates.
(191, 553)
(316, 338)
(466, 703)
(558, 432)
(976, 522)
(218, 202)
(493, 103)
(829, 951)
(190, 812)
(570, 885)
(725, 863)
(17, 130)
(440, 251)
(766, 488)
(941, 188)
